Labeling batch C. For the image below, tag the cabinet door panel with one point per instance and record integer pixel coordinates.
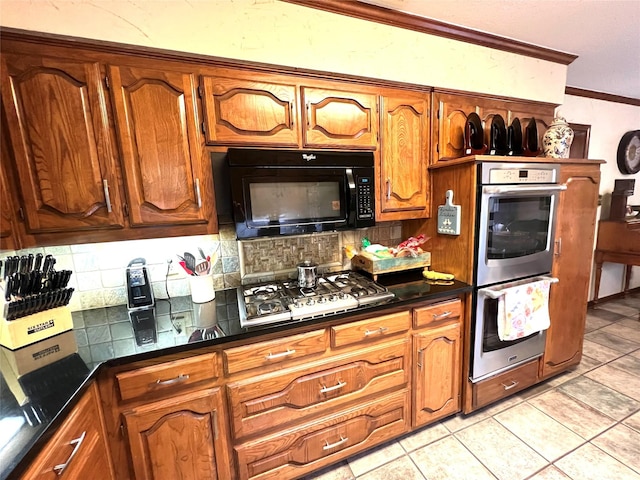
(161, 145)
(249, 112)
(438, 375)
(575, 232)
(453, 112)
(58, 123)
(404, 181)
(179, 438)
(335, 118)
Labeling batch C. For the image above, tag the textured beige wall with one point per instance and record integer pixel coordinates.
(280, 33)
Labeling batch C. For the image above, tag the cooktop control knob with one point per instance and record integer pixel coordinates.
(333, 297)
(310, 302)
(323, 300)
(298, 303)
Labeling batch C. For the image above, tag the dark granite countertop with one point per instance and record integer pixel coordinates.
(40, 383)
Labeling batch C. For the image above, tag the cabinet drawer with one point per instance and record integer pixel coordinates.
(505, 384)
(167, 377)
(437, 313)
(273, 400)
(294, 452)
(370, 329)
(78, 448)
(274, 352)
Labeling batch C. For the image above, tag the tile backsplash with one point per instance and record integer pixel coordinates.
(99, 268)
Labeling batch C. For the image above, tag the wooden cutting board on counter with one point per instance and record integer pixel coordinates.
(378, 266)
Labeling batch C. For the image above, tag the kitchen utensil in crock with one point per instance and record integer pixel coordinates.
(307, 274)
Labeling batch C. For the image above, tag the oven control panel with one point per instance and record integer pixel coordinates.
(519, 175)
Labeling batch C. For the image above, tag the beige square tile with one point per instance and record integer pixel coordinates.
(578, 417)
(586, 364)
(340, 471)
(614, 342)
(542, 433)
(549, 473)
(628, 333)
(636, 353)
(630, 322)
(633, 421)
(619, 308)
(619, 380)
(622, 443)
(460, 421)
(448, 459)
(590, 463)
(628, 364)
(423, 437)
(610, 402)
(374, 458)
(599, 352)
(594, 323)
(494, 446)
(401, 469)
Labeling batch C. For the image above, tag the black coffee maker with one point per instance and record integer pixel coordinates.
(141, 304)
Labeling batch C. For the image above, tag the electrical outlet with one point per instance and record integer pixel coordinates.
(174, 268)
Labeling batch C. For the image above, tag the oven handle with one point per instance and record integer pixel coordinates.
(497, 293)
(524, 189)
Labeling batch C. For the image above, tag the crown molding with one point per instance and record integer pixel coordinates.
(374, 13)
(582, 92)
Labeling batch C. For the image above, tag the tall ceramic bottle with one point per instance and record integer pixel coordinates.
(556, 142)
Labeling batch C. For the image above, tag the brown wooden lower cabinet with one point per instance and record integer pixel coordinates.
(299, 450)
(183, 437)
(79, 449)
(505, 384)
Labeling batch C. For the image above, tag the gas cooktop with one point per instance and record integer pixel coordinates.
(281, 301)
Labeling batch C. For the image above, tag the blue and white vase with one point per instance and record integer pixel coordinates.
(556, 142)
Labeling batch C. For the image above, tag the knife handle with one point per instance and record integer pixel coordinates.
(38, 261)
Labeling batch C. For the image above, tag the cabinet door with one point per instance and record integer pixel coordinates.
(63, 147)
(252, 112)
(437, 374)
(451, 116)
(575, 230)
(340, 119)
(185, 437)
(404, 186)
(166, 180)
(9, 238)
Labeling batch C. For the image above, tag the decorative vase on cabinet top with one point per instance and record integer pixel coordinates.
(557, 139)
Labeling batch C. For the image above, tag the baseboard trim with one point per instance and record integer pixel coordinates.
(615, 296)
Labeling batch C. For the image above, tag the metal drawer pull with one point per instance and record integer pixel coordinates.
(388, 188)
(339, 385)
(59, 469)
(379, 331)
(509, 387)
(198, 196)
(273, 356)
(442, 315)
(329, 446)
(171, 381)
(107, 197)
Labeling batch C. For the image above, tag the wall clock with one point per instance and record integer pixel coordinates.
(629, 152)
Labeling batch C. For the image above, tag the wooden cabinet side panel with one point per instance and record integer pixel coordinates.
(572, 265)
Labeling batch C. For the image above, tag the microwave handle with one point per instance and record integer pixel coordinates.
(524, 189)
(352, 191)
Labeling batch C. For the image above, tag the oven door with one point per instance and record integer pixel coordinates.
(516, 230)
(490, 354)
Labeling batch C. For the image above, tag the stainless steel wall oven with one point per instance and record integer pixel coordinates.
(515, 230)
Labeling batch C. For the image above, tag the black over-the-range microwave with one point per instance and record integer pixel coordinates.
(287, 192)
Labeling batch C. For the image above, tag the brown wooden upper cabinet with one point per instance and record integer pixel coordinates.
(403, 182)
(261, 109)
(157, 120)
(451, 111)
(57, 120)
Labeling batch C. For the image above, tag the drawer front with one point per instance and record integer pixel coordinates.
(271, 401)
(505, 384)
(77, 447)
(274, 352)
(318, 443)
(370, 330)
(437, 313)
(167, 377)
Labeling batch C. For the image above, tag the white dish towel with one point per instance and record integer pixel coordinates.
(523, 310)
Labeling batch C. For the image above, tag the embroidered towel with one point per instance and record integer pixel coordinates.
(523, 310)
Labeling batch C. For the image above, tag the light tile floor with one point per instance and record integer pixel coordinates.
(583, 424)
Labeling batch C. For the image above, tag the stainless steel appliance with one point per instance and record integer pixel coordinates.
(515, 230)
(284, 192)
(281, 301)
(141, 304)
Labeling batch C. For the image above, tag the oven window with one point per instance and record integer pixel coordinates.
(490, 339)
(518, 226)
(295, 201)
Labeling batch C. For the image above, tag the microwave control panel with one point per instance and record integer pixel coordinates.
(518, 175)
(365, 198)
